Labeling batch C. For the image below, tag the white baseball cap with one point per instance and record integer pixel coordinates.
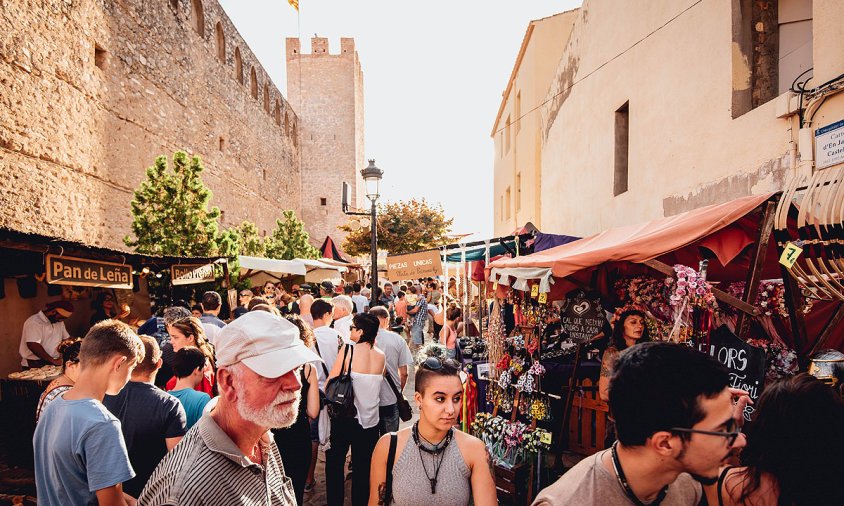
(266, 343)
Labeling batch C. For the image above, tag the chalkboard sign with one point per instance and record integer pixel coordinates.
(582, 317)
(745, 363)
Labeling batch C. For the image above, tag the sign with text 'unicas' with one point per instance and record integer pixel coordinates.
(414, 265)
(62, 270)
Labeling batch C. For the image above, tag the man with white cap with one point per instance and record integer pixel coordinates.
(229, 456)
(42, 333)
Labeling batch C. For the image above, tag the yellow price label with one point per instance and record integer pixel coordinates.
(543, 298)
(545, 438)
(495, 287)
(534, 291)
(790, 254)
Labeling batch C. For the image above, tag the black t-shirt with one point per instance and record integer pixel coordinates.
(166, 370)
(147, 416)
(239, 311)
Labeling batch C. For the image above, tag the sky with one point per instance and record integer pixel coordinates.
(433, 73)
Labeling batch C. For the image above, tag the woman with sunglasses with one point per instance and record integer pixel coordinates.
(792, 446)
(366, 363)
(433, 463)
(69, 350)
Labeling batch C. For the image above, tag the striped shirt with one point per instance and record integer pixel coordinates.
(207, 467)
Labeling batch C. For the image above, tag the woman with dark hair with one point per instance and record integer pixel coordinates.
(189, 332)
(69, 350)
(366, 363)
(105, 307)
(631, 328)
(792, 447)
(448, 333)
(294, 442)
(433, 463)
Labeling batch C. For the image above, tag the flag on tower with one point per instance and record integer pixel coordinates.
(294, 3)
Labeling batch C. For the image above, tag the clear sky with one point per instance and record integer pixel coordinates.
(433, 77)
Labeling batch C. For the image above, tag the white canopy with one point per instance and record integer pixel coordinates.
(261, 269)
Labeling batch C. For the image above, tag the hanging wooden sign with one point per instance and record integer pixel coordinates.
(415, 265)
(63, 270)
(581, 317)
(191, 274)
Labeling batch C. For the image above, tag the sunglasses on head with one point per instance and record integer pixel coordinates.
(436, 363)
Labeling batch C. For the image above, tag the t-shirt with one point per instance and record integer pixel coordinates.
(396, 354)
(589, 482)
(361, 303)
(79, 449)
(212, 326)
(239, 311)
(341, 325)
(329, 341)
(165, 372)
(148, 416)
(38, 329)
(193, 402)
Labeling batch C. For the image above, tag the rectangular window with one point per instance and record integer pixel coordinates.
(518, 111)
(757, 57)
(518, 192)
(622, 148)
(501, 207)
(794, 18)
(323, 201)
(507, 202)
(507, 136)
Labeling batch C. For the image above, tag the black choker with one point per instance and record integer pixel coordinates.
(622, 480)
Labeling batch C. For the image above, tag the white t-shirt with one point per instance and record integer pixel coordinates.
(38, 329)
(329, 341)
(361, 303)
(396, 354)
(342, 325)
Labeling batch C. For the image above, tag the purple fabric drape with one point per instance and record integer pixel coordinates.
(548, 241)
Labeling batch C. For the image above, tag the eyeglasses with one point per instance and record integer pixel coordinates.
(246, 294)
(436, 363)
(352, 327)
(730, 435)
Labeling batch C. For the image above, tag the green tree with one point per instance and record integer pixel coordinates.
(249, 241)
(289, 240)
(170, 211)
(403, 226)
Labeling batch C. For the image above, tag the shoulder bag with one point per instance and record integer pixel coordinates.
(391, 459)
(405, 413)
(339, 394)
(324, 370)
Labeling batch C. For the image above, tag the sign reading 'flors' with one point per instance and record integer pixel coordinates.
(414, 265)
(190, 274)
(63, 270)
(745, 363)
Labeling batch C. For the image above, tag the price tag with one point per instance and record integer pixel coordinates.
(543, 298)
(790, 254)
(534, 291)
(545, 438)
(495, 287)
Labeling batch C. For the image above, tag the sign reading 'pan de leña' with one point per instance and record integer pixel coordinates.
(190, 274)
(415, 265)
(62, 270)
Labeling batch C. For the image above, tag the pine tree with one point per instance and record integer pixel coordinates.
(289, 240)
(170, 211)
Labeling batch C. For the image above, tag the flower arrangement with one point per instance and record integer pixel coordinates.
(690, 286)
(781, 361)
(645, 292)
(510, 443)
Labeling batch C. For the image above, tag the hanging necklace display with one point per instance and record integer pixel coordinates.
(436, 450)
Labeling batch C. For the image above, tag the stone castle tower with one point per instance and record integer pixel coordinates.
(326, 91)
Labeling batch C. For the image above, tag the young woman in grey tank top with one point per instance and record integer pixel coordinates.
(434, 463)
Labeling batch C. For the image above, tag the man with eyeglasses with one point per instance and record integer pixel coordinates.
(677, 423)
(243, 299)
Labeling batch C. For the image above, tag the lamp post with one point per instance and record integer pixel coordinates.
(372, 178)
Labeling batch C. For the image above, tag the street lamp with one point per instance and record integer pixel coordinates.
(372, 178)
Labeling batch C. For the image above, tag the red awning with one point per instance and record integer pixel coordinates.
(644, 241)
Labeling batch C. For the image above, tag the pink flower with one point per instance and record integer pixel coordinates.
(700, 291)
(682, 283)
(681, 292)
(692, 284)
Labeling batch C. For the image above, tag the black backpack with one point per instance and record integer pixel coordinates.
(339, 394)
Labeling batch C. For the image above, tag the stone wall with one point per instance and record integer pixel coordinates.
(94, 90)
(326, 90)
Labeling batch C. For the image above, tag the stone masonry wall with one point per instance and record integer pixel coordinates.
(326, 90)
(91, 91)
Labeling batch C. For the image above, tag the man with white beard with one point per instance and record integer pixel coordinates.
(229, 456)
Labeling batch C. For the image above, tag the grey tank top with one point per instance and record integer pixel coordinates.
(412, 488)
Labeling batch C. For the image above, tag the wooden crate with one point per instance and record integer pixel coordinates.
(588, 422)
(512, 484)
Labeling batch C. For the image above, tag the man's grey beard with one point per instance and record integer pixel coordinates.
(271, 416)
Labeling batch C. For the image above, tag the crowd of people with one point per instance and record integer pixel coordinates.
(190, 409)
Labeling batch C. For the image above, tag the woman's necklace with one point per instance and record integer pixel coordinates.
(437, 452)
(622, 480)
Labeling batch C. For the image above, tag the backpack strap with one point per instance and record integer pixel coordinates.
(391, 459)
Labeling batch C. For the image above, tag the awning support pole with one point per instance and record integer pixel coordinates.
(760, 252)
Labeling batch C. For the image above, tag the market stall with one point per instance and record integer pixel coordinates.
(709, 277)
(259, 270)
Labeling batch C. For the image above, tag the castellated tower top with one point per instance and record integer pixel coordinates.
(319, 47)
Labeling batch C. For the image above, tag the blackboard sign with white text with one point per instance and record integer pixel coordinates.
(582, 317)
(745, 363)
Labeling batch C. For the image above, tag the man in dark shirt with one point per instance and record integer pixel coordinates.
(212, 303)
(152, 421)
